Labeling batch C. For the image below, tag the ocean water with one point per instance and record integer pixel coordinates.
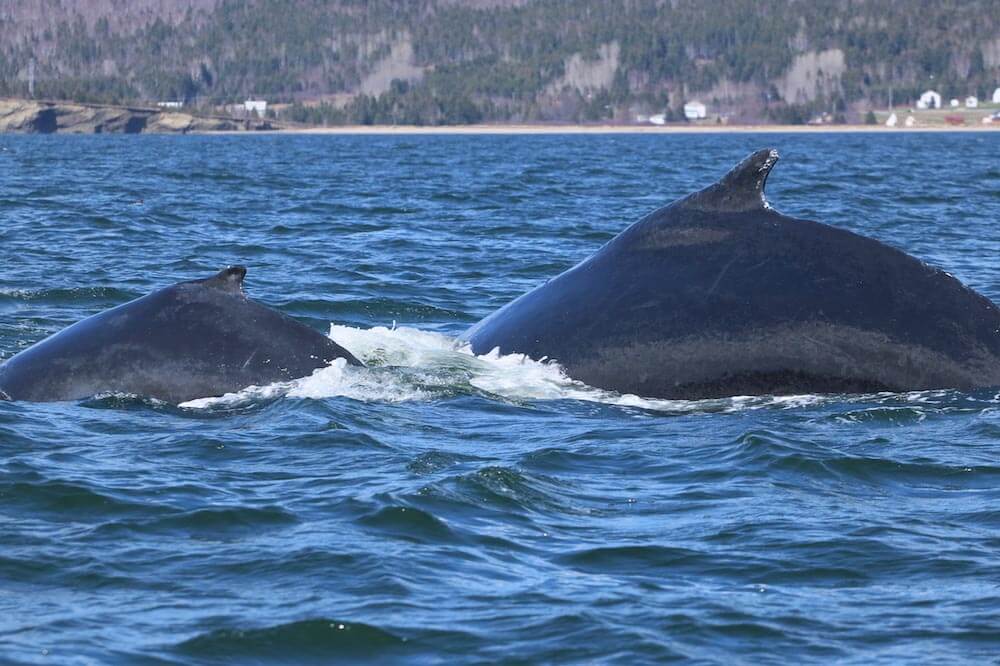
(438, 507)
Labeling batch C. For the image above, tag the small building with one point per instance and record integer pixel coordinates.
(910, 121)
(170, 105)
(892, 120)
(658, 119)
(929, 100)
(255, 106)
(996, 96)
(971, 102)
(695, 111)
(954, 104)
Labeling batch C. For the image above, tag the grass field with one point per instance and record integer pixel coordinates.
(940, 117)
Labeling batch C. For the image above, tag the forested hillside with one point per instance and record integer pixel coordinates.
(461, 61)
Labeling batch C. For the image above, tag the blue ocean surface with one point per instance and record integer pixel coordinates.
(438, 507)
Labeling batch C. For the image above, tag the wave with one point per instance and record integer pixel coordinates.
(219, 522)
(306, 639)
(76, 296)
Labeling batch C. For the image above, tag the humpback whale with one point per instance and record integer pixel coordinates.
(717, 294)
(194, 339)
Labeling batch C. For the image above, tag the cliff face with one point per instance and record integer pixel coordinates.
(30, 116)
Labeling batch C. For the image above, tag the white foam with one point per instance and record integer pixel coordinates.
(407, 364)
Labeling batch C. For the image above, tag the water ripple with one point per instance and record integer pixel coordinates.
(438, 507)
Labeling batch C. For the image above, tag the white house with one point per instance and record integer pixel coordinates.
(954, 104)
(929, 100)
(891, 120)
(170, 105)
(257, 106)
(996, 96)
(971, 102)
(658, 119)
(695, 111)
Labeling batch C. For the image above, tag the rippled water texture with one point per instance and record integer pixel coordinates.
(441, 507)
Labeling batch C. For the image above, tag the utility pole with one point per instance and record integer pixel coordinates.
(31, 78)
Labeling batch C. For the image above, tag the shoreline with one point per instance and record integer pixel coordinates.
(620, 129)
(19, 115)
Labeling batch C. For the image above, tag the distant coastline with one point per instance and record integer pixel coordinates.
(628, 129)
(49, 117)
(30, 116)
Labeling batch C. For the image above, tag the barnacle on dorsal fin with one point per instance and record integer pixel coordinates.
(742, 189)
(228, 279)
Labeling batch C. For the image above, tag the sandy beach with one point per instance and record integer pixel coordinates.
(629, 129)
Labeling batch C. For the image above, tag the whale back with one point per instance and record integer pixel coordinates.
(193, 339)
(718, 294)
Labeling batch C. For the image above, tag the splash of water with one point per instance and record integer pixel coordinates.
(407, 364)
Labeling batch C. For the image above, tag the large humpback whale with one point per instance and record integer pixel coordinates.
(194, 339)
(717, 294)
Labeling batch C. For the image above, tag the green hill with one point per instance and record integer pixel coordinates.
(461, 61)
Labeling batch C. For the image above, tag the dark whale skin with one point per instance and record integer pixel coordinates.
(191, 340)
(719, 295)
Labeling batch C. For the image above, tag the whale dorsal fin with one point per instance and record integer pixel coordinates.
(228, 279)
(742, 189)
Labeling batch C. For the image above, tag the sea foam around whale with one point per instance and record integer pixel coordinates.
(406, 364)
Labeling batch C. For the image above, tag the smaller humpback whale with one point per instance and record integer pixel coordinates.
(717, 295)
(194, 339)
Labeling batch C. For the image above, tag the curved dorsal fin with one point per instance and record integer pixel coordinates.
(228, 279)
(742, 189)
